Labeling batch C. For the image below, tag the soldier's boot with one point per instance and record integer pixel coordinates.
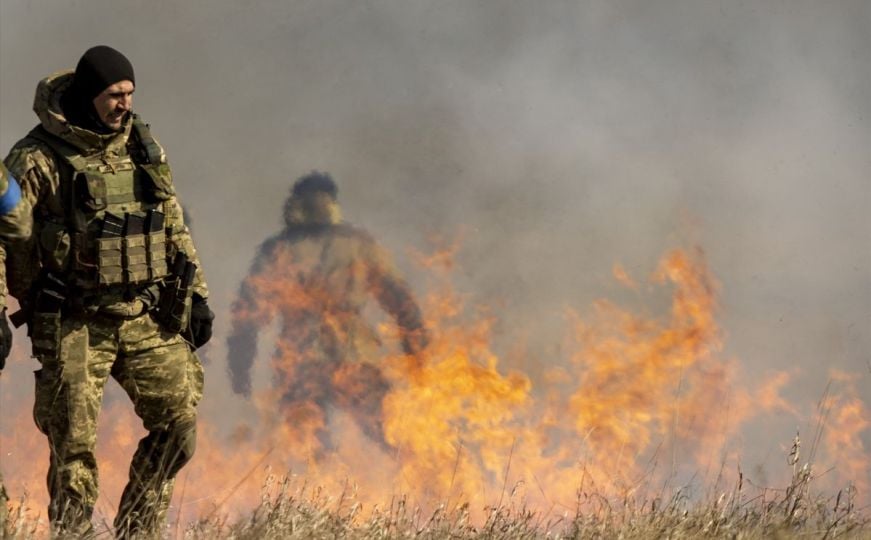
(70, 518)
(145, 501)
(142, 514)
(72, 489)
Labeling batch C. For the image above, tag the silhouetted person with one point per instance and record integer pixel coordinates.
(316, 276)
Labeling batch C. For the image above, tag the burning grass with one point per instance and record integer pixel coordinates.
(635, 432)
(290, 507)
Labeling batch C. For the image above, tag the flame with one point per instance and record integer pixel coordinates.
(637, 399)
(843, 418)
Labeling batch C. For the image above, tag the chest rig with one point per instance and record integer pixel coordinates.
(113, 206)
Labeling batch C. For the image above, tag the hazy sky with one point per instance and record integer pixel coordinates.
(556, 137)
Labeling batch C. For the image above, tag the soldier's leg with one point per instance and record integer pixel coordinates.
(69, 391)
(306, 395)
(4, 511)
(164, 380)
(360, 390)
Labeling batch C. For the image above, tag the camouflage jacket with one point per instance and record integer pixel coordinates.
(316, 279)
(15, 221)
(41, 173)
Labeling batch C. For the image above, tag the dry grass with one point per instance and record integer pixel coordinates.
(790, 513)
(290, 508)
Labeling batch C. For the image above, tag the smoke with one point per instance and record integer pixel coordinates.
(554, 138)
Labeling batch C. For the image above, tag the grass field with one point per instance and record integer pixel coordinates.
(292, 508)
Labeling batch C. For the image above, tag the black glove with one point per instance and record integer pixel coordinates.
(5, 339)
(241, 350)
(200, 329)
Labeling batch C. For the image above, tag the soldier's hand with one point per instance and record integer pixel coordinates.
(415, 342)
(241, 386)
(5, 339)
(241, 350)
(201, 322)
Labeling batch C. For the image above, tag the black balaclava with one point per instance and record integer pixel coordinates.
(99, 68)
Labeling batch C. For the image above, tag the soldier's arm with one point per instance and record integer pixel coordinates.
(16, 220)
(5, 331)
(395, 297)
(16, 225)
(37, 177)
(250, 310)
(181, 238)
(3, 290)
(241, 347)
(34, 169)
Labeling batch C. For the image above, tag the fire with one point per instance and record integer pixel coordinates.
(843, 418)
(638, 400)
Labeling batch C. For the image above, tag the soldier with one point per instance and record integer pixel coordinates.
(316, 276)
(99, 292)
(15, 223)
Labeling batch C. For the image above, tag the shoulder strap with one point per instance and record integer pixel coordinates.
(74, 218)
(63, 149)
(153, 151)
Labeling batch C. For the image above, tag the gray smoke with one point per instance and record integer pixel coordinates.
(555, 137)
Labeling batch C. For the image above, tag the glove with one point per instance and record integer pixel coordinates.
(415, 341)
(241, 350)
(413, 345)
(200, 328)
(5, 339)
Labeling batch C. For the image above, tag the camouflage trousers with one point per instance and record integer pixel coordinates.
(310, 388)
(163, 379)
(4, 510)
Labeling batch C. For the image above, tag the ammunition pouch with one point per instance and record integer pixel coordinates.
(174, 303)
(44, 324)
(132, 249)
(55, 243)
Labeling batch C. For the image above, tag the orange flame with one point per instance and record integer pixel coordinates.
(637, 399)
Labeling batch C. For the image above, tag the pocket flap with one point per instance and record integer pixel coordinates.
(91, 188)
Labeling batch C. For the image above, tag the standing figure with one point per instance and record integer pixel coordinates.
(15, 223)
(316, 277)
(108, 286)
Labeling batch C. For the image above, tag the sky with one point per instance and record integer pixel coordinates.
(552, 138)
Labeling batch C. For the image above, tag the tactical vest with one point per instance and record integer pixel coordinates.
(113, 231)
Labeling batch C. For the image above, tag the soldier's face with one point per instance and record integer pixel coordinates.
(113, 104)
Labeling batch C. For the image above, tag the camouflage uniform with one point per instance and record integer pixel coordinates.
(15, 223)
(317, 276)
(102, 293)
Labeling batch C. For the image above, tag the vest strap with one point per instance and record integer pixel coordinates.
(142, 132)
